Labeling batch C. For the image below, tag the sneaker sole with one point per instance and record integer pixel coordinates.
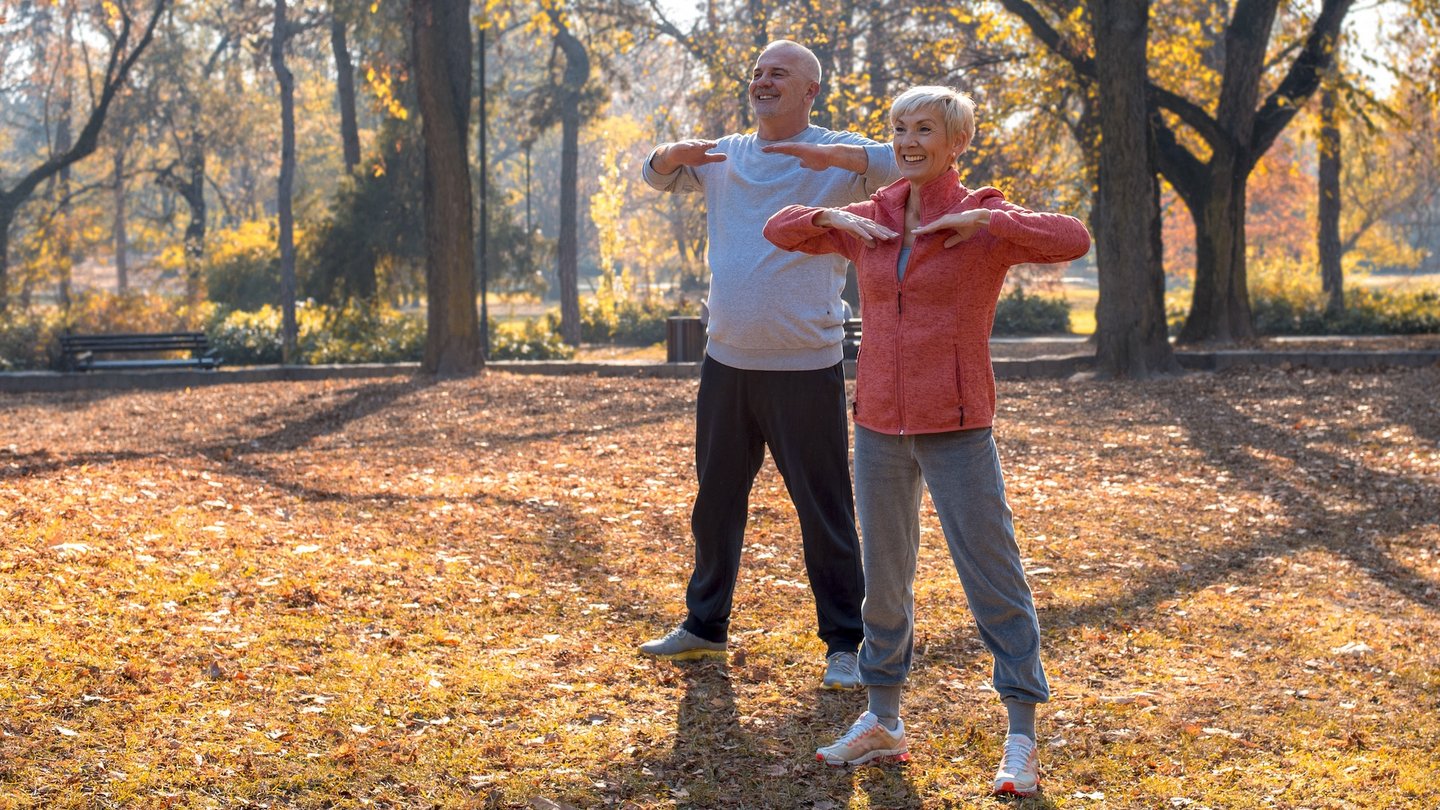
(687, 655)
(1009, 789)
(874, 757)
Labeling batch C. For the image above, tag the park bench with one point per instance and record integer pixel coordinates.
(83, 352)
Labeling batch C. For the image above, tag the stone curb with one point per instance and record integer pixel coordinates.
(1047, 367)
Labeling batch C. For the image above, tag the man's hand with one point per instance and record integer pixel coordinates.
(965, 225)
(693, 152)
(866, 230)
(821, 156)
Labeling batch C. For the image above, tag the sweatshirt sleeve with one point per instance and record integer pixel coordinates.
(793, 228)
(882, 169)
(1031, 236)
(683, 179)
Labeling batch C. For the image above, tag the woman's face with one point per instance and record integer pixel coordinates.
(923, 150)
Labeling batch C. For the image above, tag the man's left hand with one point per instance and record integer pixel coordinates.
(821, 156)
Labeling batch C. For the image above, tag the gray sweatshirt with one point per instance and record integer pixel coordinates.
(769, 309)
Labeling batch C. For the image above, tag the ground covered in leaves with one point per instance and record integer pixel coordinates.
(410, 593)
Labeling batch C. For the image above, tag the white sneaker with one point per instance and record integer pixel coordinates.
(682, 645)
(842, 671)
(1019, 771)
(867, 740)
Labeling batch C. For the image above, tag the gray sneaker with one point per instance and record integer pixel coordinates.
(842, 671)
(682, 645)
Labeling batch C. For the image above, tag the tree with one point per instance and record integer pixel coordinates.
(441, 56)
(345, 90)
(286, 183)
(1209, 162)
(1332, 280)
(572, 90)
(1130, 327)
(122, 57)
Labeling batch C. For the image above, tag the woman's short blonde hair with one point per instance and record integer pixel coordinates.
(956, 109)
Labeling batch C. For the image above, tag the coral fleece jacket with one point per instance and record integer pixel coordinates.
(924, 363)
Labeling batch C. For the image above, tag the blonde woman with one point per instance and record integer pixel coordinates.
(932, 256)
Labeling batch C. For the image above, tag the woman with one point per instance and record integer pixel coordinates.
(932, 256)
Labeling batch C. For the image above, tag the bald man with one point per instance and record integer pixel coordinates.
(773, 374)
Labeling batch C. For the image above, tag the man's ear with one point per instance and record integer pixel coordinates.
(813, 91)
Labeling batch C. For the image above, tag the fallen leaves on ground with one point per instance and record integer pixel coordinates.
(417, 593)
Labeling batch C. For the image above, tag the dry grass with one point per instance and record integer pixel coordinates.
(411, 594)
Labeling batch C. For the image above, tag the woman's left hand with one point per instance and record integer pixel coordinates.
(965, 225)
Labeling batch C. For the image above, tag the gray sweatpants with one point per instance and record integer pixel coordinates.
(962, 470)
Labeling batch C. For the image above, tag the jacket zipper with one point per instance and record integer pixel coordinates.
(900, 323)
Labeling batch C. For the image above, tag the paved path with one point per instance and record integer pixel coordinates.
(1070, 356)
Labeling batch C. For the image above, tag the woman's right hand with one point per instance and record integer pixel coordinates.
(866, 230)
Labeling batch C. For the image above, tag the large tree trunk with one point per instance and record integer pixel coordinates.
(345, 90)
(1130, 338)
(1220, 309)
(441, 55)
(577, 73)
(290, 349)
(1332, 279)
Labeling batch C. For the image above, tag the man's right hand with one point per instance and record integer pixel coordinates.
(693, 152)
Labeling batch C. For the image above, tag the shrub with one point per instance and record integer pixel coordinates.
(242, 271)
(365, 333)
(1366, 312)
(27, 340)
(248, 338)
(1021, 314)
(532, 339)
(627, 322)
(30, 339)
(356, 333)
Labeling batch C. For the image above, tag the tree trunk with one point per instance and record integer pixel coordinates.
(441, 54)
(64, 232)
(345, 89)
(1331, 276)
(290, 350)
(194, 197)
(1220, 309)
(482, 240)
(577, 73)
(1130, 338)
(120, 239)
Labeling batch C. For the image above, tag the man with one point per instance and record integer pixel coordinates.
(773, 374)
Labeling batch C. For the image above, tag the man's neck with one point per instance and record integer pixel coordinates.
(771, 130)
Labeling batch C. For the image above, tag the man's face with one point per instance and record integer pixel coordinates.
(780, 86)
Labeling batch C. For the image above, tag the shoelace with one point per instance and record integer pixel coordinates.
(1017, 755)
(858, 730)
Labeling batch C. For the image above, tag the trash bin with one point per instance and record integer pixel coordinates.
(684, 339)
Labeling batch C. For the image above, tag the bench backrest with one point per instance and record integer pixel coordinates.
(133, 342)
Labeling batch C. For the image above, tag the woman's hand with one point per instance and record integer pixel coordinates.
(866, 230)
(965, 225)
